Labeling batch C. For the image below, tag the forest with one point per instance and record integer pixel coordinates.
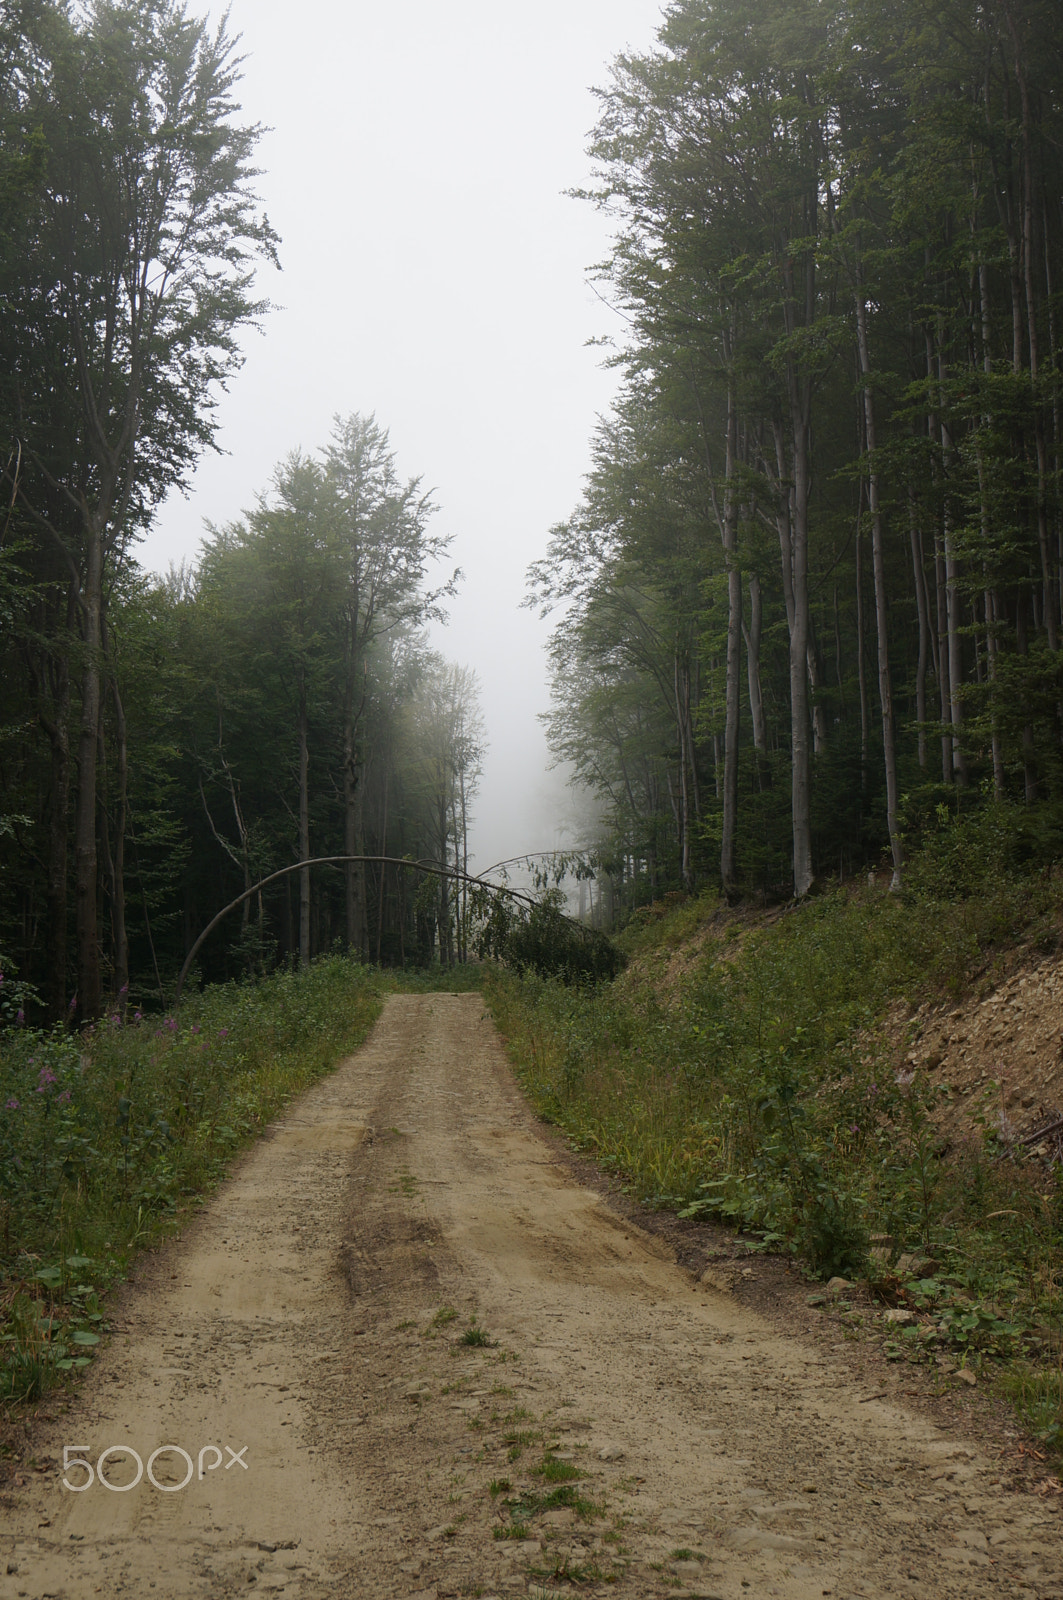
(809, 605)
(166, 743)
(808, 608)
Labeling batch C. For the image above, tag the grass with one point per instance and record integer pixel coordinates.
(110, 1136)
(760, 1091)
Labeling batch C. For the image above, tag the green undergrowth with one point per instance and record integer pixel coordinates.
(758, 1087)
(108, 1136)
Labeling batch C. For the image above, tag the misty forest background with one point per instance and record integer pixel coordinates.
(810, 604)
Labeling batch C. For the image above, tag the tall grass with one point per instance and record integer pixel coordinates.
(108, 1135)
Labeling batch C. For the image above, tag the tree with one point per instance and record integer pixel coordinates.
(137, 275)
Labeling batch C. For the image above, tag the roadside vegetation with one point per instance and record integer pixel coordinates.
(109, 1136)
(766, 1072)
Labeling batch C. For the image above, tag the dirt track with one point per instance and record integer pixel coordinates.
(302, 1316)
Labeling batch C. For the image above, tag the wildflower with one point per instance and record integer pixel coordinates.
(903, 1079)
(223, 1033)
(171, 1023)
(64, 1098)
(45, 1079)
(194, 1028)
(20, 1016)
(138, 1016)
(72, 1007)
(13, 1104)
(123, 990)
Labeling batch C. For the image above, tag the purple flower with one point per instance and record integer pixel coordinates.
(64, 1098)
(123, 990)
(20, 1016)
(171, 1023)
(12, 1104)
(855, 1128)
(1, 977)
(45, 1080)
(72, 1007)
(223, 1033)
(138, 1016)
(194, 1028)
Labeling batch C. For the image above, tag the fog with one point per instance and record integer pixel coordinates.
(434, 273)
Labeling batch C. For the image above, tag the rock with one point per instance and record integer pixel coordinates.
(417, 1391)
(611, 1452)
(839, 1286)
(917, 1266)
(687, 1569)
(817, 1300)
(435, 1534)
(899, 1317)
(965, 1375)
(809, 1488)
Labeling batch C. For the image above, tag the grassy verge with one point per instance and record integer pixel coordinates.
(756, 1086)
(108, 1136)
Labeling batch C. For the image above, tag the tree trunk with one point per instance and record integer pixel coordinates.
(729, 531)
(118, 920)
(752, 636)
(885, 686)
(304, 826)
(922, 612)
(57, 727)
(86, 861)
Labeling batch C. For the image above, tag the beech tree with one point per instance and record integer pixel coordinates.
(136, 273)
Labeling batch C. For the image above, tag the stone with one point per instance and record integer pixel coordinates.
(687, 1569)
(916, 1266)
(839, 1286)
(965, 1375)
(611, 1452)
(900, 1317)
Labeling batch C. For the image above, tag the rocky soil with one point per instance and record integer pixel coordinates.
(434, 1359)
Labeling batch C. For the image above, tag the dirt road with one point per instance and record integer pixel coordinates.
(303, 1328)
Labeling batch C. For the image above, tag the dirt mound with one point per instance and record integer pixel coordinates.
(998, 1055)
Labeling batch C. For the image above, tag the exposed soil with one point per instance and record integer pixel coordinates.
(999, 1055)
(305, 1315)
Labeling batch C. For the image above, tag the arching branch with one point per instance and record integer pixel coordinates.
(335, 861)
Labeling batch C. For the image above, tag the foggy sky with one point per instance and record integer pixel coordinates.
(435, 274)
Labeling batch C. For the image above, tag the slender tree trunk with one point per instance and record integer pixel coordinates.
(922, 610)
(383, 868)
(729, 531)
(304, 825)
(54, 674)
(861, 655)
(752, 637)
(118, 917)
(85, 850)
(885, 686)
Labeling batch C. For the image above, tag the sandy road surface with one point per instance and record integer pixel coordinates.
(301, 1317)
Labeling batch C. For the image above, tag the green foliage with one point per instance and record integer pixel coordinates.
(107, 1136)
(760, 1091)
(542, 939)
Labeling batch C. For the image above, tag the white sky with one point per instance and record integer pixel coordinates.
(435, 273)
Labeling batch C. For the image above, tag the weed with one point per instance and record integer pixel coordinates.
(498, 1486)
(477, 1337)
(111, 1134)
(511, 1530)
(444, 1315)
(555, 1471)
